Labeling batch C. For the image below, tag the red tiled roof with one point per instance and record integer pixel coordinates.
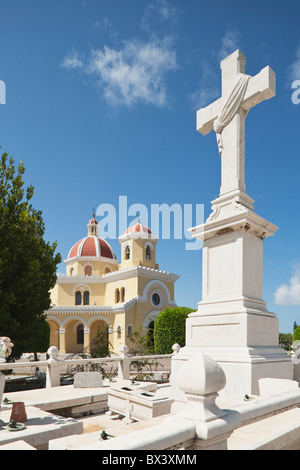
(138, 228)
(74, 249)
(91, 246)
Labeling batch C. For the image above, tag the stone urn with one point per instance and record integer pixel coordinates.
(18, 412)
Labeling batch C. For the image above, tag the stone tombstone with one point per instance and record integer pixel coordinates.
(88, 380)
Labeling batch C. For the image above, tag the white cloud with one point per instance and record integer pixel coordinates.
(294, 68)
(72, 61)
(289, 294)
(160, 10)
(207, 90)
(134, 73)
(230, 42)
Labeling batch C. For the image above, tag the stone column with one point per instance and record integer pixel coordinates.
(62, 340)
(86, 340)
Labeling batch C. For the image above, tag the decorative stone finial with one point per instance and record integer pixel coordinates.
(53, 353)
(201, 378)
(201, 375)
(176, 348)
(124, 349)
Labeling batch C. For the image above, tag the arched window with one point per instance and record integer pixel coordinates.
(78, 298)
(119, 332)
(117, 296)
(148, 252)
(150, 333)
(72, 272)
(86, 298)
(79, 333)
(127, 252)
(123, 294)
(88, 271)
(129, 331)
(107, 270)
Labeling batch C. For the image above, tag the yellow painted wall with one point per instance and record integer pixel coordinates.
(104, 294)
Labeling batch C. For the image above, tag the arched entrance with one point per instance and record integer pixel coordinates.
(54, 333)
(99, 338)
(74, 338)
(150, 333)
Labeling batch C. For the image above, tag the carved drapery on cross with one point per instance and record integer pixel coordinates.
(230, 108)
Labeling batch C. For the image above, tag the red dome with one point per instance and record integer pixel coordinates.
(92, 246)
(93, 221)
(138, 228)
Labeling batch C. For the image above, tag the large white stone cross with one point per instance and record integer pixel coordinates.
(260, 87)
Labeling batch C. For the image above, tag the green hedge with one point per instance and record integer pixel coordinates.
(169, 328)
(296, 334)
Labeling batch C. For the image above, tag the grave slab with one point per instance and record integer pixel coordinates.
(17, 445)
(88, 380)
(136, 403)
(41, 427)
(73, 401)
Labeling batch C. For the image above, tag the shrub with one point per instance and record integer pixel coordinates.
(169, 328)
(296, 334)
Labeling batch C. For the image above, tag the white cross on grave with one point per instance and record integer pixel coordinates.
(240, 93)
(232, 324)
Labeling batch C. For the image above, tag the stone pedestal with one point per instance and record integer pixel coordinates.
(232, 324)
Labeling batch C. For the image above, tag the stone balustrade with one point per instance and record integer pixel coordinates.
(56, 366)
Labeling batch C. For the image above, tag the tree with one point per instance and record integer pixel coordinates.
(169, 328)
(296, 334)
(285, 340)
(27, 263)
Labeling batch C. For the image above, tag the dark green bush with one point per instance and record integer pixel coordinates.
(169, 328)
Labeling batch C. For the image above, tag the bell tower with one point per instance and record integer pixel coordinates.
(138, 247)
(93, 229)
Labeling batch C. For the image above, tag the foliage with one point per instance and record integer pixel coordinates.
(144, 368)
(27, 262)
(285, 341)
(101, 367)
(296, 334)
(140, 343)
(169, 328)
(100, 346)
(41, 341)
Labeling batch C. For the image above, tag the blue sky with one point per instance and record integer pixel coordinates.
(101, 101)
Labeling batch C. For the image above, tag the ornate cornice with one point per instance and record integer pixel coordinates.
(91, 259)
(133, 271)
(94, 309)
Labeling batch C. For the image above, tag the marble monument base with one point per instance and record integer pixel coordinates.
(243, 343)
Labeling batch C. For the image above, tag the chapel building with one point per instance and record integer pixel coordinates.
(98, 291)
